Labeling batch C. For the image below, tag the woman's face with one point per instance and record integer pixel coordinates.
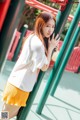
(48, 28)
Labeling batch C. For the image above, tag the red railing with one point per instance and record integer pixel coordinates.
(74, 60)
(61, 2)
(14, 45)
(41, 6)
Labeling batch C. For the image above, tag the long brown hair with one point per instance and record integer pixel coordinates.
(41, 20)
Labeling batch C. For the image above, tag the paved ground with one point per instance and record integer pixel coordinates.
(65, 105)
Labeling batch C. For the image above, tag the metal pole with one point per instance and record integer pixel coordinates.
(16, 53)
(24, 111)
(10, 24)
(22, 114)
(62, 18)
(65, 60)
(59, 60)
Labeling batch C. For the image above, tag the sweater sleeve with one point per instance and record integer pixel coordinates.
(39, 58)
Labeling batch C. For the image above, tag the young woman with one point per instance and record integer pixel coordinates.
(35, 56)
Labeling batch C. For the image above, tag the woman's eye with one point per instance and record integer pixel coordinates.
(50, 26)
(47, 26)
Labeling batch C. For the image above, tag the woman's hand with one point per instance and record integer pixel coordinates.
(51, 45)
(53, 42)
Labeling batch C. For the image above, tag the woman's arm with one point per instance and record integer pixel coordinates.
(45, 67)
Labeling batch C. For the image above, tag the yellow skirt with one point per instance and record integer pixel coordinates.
(14, 96)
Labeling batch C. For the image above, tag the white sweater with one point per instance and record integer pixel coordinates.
(32, 57)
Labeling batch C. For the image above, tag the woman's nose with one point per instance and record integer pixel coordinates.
(51, 30)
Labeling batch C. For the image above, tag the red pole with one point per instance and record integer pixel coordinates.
(3, 11)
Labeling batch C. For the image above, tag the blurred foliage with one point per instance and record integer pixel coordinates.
(30, 13)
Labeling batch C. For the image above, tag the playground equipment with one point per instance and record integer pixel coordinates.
(4, 5)
(73, 63)
(14, 45)
(58, 68)
(24, 111)
(61, 2)
(17, 51)
(36, 4)
(10, 23)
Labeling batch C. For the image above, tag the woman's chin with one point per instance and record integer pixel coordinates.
(47, 36)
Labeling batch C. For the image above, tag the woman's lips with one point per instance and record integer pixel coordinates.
(49, 34)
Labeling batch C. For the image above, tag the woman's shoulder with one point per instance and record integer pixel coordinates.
(36, 42)
(36, 39)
